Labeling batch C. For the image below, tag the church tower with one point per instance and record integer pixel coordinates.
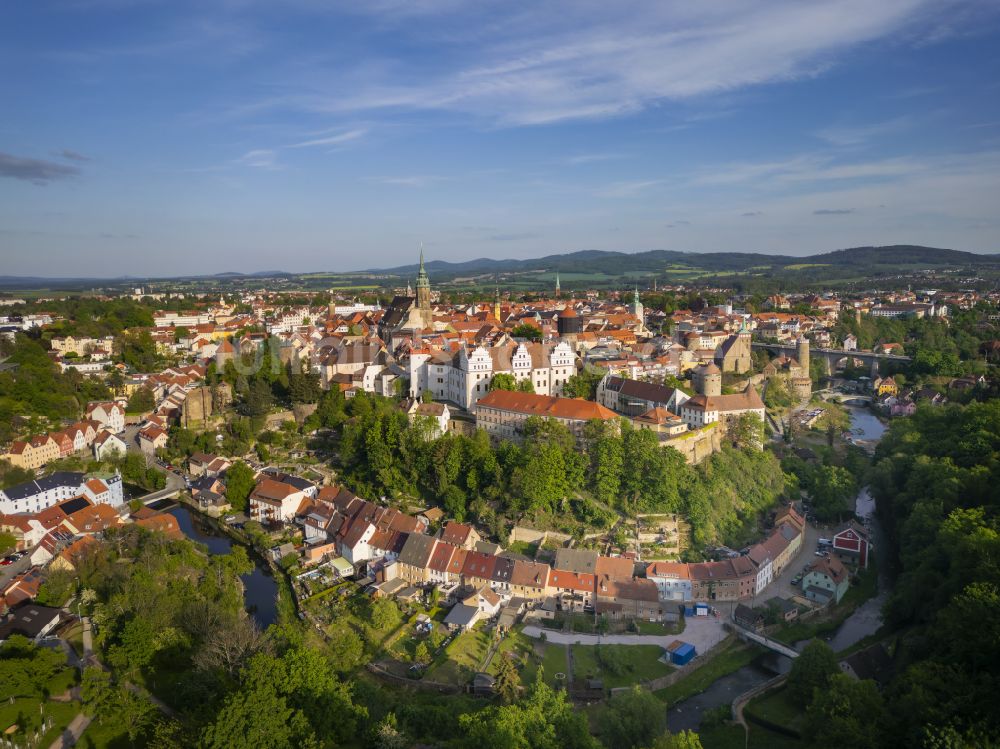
(636, 307)
(557, 284)
(496, 304)
(424, 294)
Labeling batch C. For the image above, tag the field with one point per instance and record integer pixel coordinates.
(461, 659)
(618, 665)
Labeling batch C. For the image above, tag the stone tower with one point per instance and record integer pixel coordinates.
(557, 284)
(803, 354)
(496, 304)
(709, 380)
(424, 294)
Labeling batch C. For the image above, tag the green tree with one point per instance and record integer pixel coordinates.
(632, 719)
(508, 681)
(503, 381)
(141, 401)
(384, 614)
(525, 330)
(811, 671)
(748, 432)
(239, 483)
(682, 740)
(848, 712)
(545, 719)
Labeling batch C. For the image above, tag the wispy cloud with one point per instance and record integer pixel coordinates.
(751, 214)
(855, 135)
(627, 189)
(591, 158)
(259, 158)
(512, 237)
(536, 67)
(832, 211)
(39, 171)
(333, 140)
(413, 180)
(66, 153)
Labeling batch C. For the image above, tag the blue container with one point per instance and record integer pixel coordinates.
(683, 655)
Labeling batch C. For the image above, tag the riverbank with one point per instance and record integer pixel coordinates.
(262, 588)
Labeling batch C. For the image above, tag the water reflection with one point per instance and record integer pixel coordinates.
(260, 588)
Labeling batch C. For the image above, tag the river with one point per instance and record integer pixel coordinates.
(865, 620)
(260, 589)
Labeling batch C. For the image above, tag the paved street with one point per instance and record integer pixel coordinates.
(701, 631)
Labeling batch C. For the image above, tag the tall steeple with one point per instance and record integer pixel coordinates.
(496, 303)
(424, 295)
(636, 306)
(557, 284)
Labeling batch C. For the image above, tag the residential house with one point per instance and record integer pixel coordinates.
(273, 502)
(459, 534)
(107, 446)
(672, 579)
(826, 581)
(152, 438)
(530, 580)
(632, 598)
(109, 415)
(414, 558)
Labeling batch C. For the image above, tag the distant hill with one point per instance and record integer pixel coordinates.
(658, 261)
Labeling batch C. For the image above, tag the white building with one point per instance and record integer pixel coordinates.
(35, 496)
(465, 377)
(110, 416)
(673, 580)
(708, 409)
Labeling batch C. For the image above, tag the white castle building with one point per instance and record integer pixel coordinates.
(464, 377)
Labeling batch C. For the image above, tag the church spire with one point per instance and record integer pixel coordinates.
(557, 284)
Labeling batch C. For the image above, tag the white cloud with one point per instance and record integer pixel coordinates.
(628, 188)
(332, 140)
(259, 158)
(573, 59)
(414, 180)
(856, 135)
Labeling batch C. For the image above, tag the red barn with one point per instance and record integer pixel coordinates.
(851, 545)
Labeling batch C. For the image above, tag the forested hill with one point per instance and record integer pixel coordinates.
(935, 480)
(659, 261)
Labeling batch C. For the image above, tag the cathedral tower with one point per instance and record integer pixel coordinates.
(424, 294)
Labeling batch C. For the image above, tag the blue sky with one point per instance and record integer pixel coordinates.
(147, 137)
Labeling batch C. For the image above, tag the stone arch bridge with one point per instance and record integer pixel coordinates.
(833, 358)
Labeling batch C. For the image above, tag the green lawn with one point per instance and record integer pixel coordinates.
(776, 708)
(25, 713)
(619, 665)
(461, 659)
(522, 648)
(554, 662)
(733, 657)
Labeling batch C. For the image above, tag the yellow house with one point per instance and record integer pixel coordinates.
(886, 386)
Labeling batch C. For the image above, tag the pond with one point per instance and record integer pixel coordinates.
(260, 589)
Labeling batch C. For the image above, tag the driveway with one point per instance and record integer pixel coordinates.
(701, 631)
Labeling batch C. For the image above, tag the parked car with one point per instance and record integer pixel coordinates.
(6, 561)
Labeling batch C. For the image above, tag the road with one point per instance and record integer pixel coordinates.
(701, 631)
